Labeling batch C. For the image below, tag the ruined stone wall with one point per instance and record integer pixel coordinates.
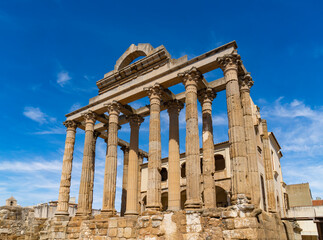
(19, 223)
(222, 223)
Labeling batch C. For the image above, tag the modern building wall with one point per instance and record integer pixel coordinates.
(299, 195)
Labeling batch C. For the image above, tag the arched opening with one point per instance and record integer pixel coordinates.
(11, 203)
(183, 199)
(164, 200)
(132, 53)
(222, 199)
(164, 174)
(183, 170)
(219, 162)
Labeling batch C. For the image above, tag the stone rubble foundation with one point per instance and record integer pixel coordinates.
(222, 223)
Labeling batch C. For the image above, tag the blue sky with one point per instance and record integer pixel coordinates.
(54, 51)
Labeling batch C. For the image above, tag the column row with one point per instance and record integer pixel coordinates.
(241, 138)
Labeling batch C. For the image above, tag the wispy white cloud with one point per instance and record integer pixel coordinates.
(62, 78)
(75, 106)
(52, 130)
(27, 166)
(34, 113)
(298, 128)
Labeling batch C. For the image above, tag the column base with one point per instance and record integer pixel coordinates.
(173, 209)
(83, 215)
(58, 213)
(131, 213)
(193, 204)
(61, 218)
(109, 213)
(154, 208)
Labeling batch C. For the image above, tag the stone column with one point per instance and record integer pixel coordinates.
(240, 179)
(84, 193)
(95, 137)
(268, 168)
(251, 143)
(174, 167)
(125, 150)
(190, 79)
(110, 172)
(140, 161)
(206, 97)
(132, 186)
(154, 156)
(64, 189)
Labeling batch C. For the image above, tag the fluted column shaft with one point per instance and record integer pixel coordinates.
(95, 137)
(85, 191)
(110, 172)
(64, 189)
(193, 192)
(268, 169)
(174, 168)
(206, 97)
(140, 161)
(238, 154)
(124, 179)
(132, 186)
(251, 143)
(154, 162)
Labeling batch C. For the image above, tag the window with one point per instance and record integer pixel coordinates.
(219, 162)
(183, 170)
(164, 174)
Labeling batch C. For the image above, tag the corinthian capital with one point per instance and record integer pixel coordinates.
(89, 116)
(174, 106)
(245, 82)
(154, 91)
(135, 120)
(113, 108)
(191, 77)
(207, 94)
(229, 60)
(70, 124)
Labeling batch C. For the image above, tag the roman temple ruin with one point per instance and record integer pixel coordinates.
(229, 190)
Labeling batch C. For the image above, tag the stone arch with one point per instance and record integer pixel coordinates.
(219, 162)
(133, 52)
(222, 197)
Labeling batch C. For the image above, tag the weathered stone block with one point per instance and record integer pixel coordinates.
(113, 223)
(122, 223)
(127, 232)
(120, 232)
(229, 214)
(245, 223)
(112, 232)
